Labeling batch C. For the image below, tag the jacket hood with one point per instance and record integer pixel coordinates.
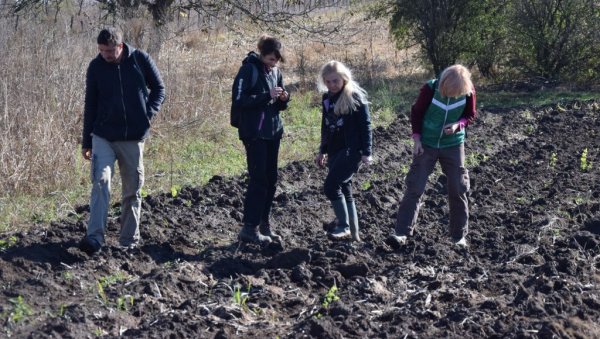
(252, 58)
(127, 52)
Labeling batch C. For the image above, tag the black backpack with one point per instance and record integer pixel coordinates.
(235, 114)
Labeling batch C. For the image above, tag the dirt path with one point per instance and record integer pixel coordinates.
(532, 269)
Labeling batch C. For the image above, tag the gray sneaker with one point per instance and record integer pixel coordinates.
(251, 234)
(340, 233)
(399, 240)
(265, 229)
(461, 243)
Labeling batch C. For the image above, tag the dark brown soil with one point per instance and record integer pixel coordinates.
(532, 269)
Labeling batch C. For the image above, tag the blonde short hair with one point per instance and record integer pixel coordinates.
(456, 81)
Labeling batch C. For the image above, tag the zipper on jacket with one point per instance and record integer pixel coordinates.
(122, 99)
(444, 124)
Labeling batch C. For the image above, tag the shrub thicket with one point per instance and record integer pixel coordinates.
(552, 39)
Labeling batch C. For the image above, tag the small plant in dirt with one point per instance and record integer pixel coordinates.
(113, 279)
(124, 303)
(553, 160)
(241, 298)
(474, 159)
(20, 310)
(330, 296)
(175, 190)
(585, 164)
(61, 310)
(579, 200)
(5, 244)
(366, 185)
(527, 115)
(529, 129)
(68, 276)
(98, 332)
(101, 292)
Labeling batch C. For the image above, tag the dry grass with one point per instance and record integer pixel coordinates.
(42, 79)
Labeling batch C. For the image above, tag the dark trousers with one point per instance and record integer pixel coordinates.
(452, 160)
(261, 156)
(342, 166)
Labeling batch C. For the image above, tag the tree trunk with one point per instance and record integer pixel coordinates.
(160, 15)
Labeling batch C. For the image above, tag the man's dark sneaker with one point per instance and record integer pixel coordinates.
(89, 246)
(340, 233)
(251, 234)
(265, 229)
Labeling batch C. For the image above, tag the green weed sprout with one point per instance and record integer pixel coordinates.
(101, 292)
(175, 190)
(20, 309)
(67, 276)
(5, 244)
(112, 279)
(239, 297)
(61, 310)
(124, 302)
(585, 164)
(553, 160)
(331, 296)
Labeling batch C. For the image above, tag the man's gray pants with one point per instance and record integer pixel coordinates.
(129, 155)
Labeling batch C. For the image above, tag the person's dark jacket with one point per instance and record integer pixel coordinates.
(356, 126)
(259, 112)
(118, 106)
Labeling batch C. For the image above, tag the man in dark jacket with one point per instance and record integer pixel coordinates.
(117, 116)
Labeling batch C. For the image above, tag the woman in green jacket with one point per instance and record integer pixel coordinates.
(443, 110)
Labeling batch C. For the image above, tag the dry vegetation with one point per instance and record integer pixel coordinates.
(42, 78)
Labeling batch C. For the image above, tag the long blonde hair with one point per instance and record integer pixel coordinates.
(455, 81)
(352, 94)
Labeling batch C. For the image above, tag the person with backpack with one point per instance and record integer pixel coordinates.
(346, 140)
(258, 95)
(117, 116)
(442, 111)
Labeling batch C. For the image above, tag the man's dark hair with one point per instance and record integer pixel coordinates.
(110, 36)
(267, 45)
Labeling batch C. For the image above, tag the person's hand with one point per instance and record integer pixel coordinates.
(366, 159)
(87, 153)
(284, 96)
(320, 159)
(276, 92)
(418, 148)
(451, 128)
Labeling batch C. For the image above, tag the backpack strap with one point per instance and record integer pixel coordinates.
(141, 71)
(254, 75)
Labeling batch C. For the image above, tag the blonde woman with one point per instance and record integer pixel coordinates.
(443, 110)
(345, 142)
